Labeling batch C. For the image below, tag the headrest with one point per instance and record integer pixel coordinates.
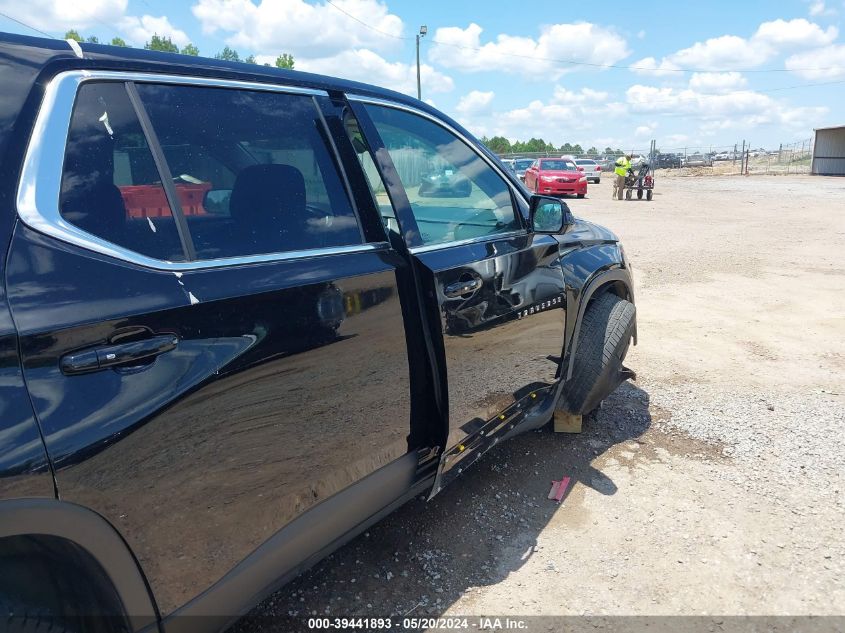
(96, 208)
(262, 192)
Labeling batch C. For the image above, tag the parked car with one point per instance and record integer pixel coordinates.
(668, 161)
(521, 165)
(590, 168)
(698, 160)
(555, 177)
(198, 406)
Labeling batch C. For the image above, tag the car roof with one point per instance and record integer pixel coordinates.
(58, 55)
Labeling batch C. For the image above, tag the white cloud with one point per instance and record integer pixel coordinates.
(742, 109)
(717, 82)
(582, 42)
(795, 33)
(57, 15)
(368, 66)
(675, 139)
(650, 66)
(568, 116)
(728, 52)
(139, 30)
(817, 7)
(307, 30)
(645, 130)
(585, 95)
(474, 102)
(821, 63)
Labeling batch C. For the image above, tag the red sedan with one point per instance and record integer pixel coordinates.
(555, 176)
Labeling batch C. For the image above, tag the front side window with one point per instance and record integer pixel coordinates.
(454, 193)
(110, 185)
(254, 170)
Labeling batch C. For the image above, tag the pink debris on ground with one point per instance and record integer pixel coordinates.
(559, 489)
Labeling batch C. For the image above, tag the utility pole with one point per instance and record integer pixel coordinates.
(742, 157)
(423, 31)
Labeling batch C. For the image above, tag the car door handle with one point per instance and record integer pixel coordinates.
(463, 287)
(85, 361)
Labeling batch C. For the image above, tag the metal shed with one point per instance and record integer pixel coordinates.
(829, 152)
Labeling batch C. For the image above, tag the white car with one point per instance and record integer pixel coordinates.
(590, 168)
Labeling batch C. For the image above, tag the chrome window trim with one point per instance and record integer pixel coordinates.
(443, 245)
(39, 188)
(471, 240)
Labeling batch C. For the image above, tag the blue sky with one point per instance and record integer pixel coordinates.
(686, 74)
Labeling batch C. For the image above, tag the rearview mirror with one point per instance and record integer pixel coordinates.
(549, 215)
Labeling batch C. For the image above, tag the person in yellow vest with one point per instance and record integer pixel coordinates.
(623, 163)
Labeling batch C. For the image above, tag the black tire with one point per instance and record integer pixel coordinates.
(639, 194)
(648, 194)
(581, 195)
(603, 342)
(627, 194)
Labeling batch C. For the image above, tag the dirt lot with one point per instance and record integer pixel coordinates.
(714, 484)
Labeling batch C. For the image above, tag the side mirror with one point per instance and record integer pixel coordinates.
(549, 215)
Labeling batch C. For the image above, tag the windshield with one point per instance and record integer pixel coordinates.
(585, 162)
(558, 165)
(524, 163)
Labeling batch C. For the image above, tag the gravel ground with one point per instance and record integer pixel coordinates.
(713, 485)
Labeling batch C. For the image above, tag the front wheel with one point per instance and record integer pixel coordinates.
(603, 342)
(582, 195)
(648, 194)
(639, 194)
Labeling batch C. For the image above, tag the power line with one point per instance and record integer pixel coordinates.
(573, 62)
(9, 17)
(108, 26)
(732, 93)
(372, 28)
(635, 68)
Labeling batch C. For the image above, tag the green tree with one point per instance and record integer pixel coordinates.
(593, 151)
(250, 60)
(535, 145)
(498, 145)
(92, 39)
(608, 150)
(119, 41)
(190, 49)
(285, 60)
(73, 34)
(161, 43)
(228, 55)
(577, 149)
(566, 148)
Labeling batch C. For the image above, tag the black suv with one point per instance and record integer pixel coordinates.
(235, 332)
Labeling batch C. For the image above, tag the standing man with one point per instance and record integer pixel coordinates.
(623, 164)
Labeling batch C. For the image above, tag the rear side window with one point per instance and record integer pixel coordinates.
(110, 185)
(254, 171)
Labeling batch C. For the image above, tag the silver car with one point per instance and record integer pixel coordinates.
(590, 168)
